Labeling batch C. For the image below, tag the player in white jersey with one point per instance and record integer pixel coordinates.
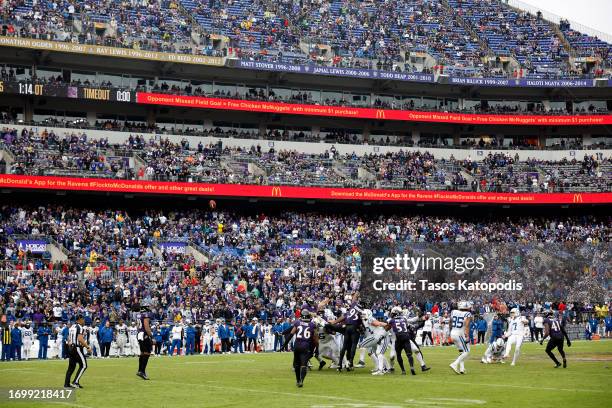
(121, 338)
(375, 341)
(328, 346)
(27, 338)
(515, 334)
(436, 332)
(426, 331)
(495, 352)
(133, 338)
(59, 339)
(460, 326)
(215, 336)
(207, 338)
(446, 328)
(268, 337)
(93, 338)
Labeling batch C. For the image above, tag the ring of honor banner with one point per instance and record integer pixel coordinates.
(485, 272)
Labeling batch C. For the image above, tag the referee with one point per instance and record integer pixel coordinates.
(76, 344)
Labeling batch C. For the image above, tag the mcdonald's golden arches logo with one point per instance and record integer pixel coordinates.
(380, 114)
(577, 198)
(276, 191)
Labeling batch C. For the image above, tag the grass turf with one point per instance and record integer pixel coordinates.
(266, 380)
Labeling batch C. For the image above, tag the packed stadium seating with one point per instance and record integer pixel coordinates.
(236, 252)
(47, 153)
(457, 34)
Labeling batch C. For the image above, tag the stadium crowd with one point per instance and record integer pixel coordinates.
(458, 34)
(47, 153)
(244, 267)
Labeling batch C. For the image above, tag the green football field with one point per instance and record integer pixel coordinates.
(266, 380)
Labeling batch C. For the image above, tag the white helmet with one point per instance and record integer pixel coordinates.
(320, 322)
(463, 305)
(396, 311)
(499, 342)
(366, 314)
(207, 322)
(514, 312)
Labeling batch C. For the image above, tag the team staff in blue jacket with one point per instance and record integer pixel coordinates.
(106, 338)
(481, 326)
(223, 333)
(65, 332)
(43, 334)
(231, 331)
(473, 328)
(158, 340)
(189, 339)
(592, 327)
(16, 342)
(497, 328)
(253, 334)
(165, 334)
(277, 330)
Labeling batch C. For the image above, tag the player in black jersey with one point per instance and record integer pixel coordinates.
(555, 328)
(76, 343)
(400, 328)
(306, 341)
(145, 340)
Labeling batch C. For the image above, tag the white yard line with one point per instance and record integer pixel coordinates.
(288, 394)
(489, 384)
(70, 404)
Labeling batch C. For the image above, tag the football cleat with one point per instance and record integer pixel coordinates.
(321, 365)
(360, 364)
(454, 368)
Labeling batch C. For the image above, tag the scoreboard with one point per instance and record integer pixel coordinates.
(67, 91)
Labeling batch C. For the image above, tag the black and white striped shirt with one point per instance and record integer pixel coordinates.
(73, 335)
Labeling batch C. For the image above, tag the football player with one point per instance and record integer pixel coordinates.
(460, 326)
(555, 329)
(494, 352)
(515, 334)
(375, 341)
(306, 340)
